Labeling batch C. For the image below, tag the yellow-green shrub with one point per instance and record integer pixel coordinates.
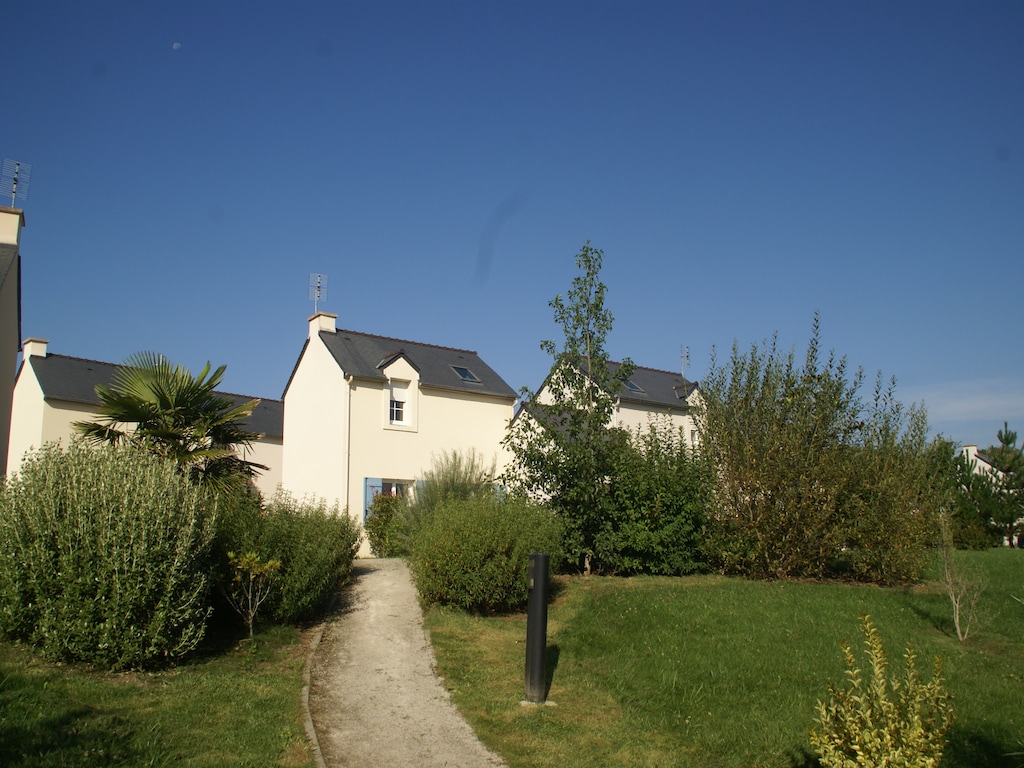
(875, 722)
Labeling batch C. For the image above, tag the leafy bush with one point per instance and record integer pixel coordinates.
(382, 524)
(474, 553)
(812, 481)
(878, 723)
(453, 475)
(104, 556)
(314, 543)
(661, 491)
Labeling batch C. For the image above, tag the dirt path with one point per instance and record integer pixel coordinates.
(374, 698)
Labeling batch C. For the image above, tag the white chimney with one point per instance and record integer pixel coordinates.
(322, 321)
(11, 222)
(34, 348)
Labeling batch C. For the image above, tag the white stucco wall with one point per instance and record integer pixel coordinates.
(315, 423)
(632, 416)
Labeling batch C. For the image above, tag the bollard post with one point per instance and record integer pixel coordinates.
(537, 629)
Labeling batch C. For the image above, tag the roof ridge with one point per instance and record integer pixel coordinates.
(654, 370)
(249, 397)
(661, 370)
(119, 365)
(406, 341)
(82, 359)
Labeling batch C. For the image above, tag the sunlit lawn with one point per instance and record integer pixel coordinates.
(709, 671)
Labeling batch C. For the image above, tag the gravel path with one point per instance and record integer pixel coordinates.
(374, 699)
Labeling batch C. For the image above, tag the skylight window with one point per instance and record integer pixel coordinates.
(632, 386)
(465, 374)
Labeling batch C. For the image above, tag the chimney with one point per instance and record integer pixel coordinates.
(34, 348)
(322, 321)
(11, 222)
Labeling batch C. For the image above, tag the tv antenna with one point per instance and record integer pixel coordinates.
(317, 289)
(684, 360)
(17, 175)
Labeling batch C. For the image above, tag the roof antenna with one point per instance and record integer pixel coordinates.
(684, 360)
(17, 175)
(317, 289)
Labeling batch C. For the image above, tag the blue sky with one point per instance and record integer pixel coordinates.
(742, 165)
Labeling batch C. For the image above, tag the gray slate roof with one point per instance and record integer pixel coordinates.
(364, 356)
(660, 388)
(74, 379)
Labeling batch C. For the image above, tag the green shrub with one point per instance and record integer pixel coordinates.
(814, 481)
(315, 544)
(453, 475)
(474, 553)
(661, 492)
(382, 524)
(104, 556)
(878, 723)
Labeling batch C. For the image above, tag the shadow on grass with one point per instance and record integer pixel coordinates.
(804, 758)
(551, 654)
(977, 750)
(70, 736)
(226, 631)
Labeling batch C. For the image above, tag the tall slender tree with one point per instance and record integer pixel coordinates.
(1008, 458)
(562, 446)
(163, 407)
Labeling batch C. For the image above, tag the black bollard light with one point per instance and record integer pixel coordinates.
(537, 628)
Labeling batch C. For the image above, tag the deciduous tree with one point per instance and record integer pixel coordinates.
(562, 445)
(812, 481)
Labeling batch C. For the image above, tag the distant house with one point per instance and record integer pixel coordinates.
(366, 414)
(52, 392)
(11, 222)
(649, 394)
(980, 463)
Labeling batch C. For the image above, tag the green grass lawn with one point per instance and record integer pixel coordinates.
(240, 708)
(709, 671)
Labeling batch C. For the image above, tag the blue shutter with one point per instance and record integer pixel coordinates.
(371, 487)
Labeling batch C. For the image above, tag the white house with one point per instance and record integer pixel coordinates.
(653, 394)
(367, 414)
(11, 222)
(649, 394)
(51, 392)
(980, 463)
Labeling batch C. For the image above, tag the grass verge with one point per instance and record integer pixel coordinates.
(712, 672)
(241, 708)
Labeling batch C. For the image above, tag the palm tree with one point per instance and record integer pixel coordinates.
(164, 408)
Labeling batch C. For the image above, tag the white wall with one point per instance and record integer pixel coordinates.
(315, 423)
(631, 416)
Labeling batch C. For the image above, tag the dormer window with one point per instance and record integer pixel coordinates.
(465, 374)
(632, 386)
